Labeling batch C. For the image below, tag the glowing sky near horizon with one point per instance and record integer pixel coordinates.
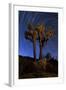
(49, 19)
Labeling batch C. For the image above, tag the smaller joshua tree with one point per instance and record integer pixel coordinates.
(31, 35)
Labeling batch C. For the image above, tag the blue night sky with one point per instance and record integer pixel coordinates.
(49, 19)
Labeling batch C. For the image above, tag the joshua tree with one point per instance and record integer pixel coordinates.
(44, 36)
(40, 29)
(31, 35)
(38, 33)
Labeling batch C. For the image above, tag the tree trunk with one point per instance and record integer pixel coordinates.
(40, 55)
(40, 42)
(34, 50)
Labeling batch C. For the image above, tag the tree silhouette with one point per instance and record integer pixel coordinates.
(41, 30)
(38, 33)
(48, 56)
(43, 36)
(31, 35)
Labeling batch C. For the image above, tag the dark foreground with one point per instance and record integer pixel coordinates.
(29, 69)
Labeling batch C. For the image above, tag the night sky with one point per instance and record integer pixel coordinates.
(49, 19)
